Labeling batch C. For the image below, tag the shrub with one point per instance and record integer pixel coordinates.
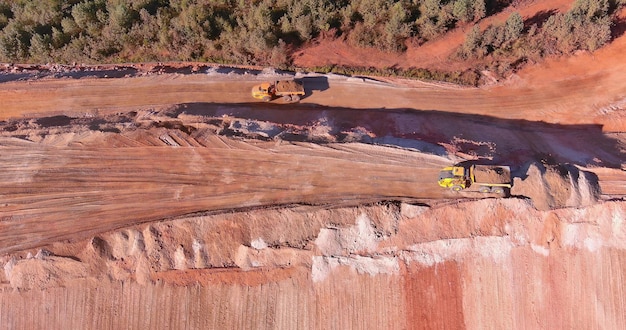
(363, 36)
(40, 48)
(513, 27)
(463, 11)
(90, 16)
(479, 9)
(468, 78)
(472, 46)
(15, 41)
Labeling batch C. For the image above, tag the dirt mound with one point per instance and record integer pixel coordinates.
(493, 174)
(44, 270)
(554, 186)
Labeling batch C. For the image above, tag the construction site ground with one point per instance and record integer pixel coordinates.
(164, 196)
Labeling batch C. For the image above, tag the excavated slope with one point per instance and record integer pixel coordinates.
(307, 260)
(476, 264)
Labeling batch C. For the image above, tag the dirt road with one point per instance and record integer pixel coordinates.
(584, 100)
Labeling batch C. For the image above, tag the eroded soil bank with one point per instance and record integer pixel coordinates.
(475, 264)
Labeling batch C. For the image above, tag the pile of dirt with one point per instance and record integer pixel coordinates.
(494, 174)
(554, 186)
(43, 271)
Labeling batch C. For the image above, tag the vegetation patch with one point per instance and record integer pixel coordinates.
(467, 78)
(586, 26)
(266, 32)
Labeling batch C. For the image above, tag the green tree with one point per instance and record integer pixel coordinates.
(396, 29)
(587, 25)
(436, 17)
(431, 8)
(479, 9)
(472, 44)
(5, 14)
(462, 10)
(513, 27)
(493, 38)
(43, 12)
(89, 16)
(590, 9)
(15, 41)
(122, 17)
(69, 26)
(40, 48)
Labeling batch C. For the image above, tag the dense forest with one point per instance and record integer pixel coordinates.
(263, 32)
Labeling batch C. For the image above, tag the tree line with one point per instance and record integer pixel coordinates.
(264, 32)
(251, 32)
(585, 26)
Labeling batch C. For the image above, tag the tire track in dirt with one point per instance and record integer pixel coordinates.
(572, 101)
(86, 190)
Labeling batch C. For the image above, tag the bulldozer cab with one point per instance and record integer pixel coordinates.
(453, 176)
(264, 88)
(262, 91)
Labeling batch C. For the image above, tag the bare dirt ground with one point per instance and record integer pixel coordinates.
(153, 196)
